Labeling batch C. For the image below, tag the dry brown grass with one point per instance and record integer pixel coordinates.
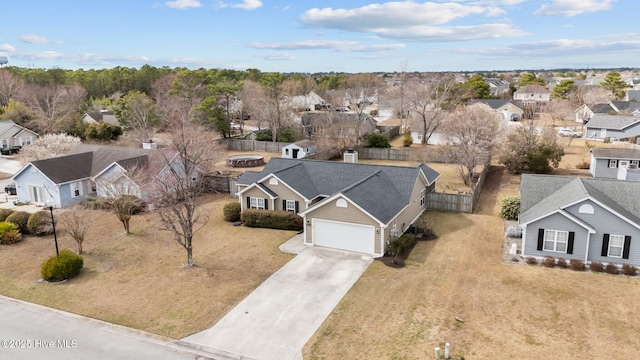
(509, 311)
(137, 280)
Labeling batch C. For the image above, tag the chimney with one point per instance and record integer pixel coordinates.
(149, 145)
(351, 156)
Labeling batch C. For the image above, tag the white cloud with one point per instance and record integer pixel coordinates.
(452, 33)
(183, 4)
(342, 46)
(245, 5)
(277, 56)
(7, 48)
(573, 7)
(34, 39)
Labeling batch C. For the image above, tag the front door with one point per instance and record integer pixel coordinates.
(295, 153)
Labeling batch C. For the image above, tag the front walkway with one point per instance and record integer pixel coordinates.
(278, 318)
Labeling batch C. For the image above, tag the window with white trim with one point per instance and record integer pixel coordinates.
(5, 144)
(423, 196)
(76, 189)
(555, 240)
(616, 244)
(290, 205)
(613, 163)
(26, 140)
(623, 164)
(586, 209)
(256, 203)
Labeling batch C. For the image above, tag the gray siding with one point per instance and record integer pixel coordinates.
(556, 222)
(594, 133)
(602, 170)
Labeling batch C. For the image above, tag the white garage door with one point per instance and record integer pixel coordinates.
(343, 236)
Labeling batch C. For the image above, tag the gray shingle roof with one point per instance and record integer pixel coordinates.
(104, 155)
(65, 168)
(369, 186)
(613, 153)
(614, 122)
(541, 195)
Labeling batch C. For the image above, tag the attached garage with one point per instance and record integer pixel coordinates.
(343, 236)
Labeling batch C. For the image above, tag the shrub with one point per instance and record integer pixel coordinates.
(531, 260)
(577, 265)
(96, 203)
(596, 266)
(400, 244)
(378, 141)
(64, 266)
(231, 212)
(562, 263)
(11, 237)
(39, 223)
(510, 207)
(4, 213)
(629, 270)
(612, 268)
(20, 218)
(373, 112)
(407, 140)
(272, 219)
(582, 165)
(549, 261)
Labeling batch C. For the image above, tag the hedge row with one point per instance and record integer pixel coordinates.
(272, 219)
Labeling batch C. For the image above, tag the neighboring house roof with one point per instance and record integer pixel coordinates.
(533, 89)
(541, 195)
(333, 117)
(633, 95)
(104, 155)
(496, 104)
(7, 125)
(306, 143)
(382, 191)
(602, 108)
(614, 122)
(614, 153)
(105, 116)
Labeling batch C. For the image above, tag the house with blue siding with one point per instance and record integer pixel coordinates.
(613, 163)
(587, 219)
(67, 180)
(603, 126)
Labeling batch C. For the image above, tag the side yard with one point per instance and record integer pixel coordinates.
(137, 281)
(456, 289)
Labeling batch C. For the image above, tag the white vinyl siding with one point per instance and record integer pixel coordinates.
(26, 140)
(555, 240)
(616, 243)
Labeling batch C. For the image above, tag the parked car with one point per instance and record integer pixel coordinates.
(234, 126)
(11, 189)
(569, 132)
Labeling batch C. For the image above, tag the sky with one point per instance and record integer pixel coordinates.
(322, 36)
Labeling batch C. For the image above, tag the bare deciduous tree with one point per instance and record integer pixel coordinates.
(48, 146)
(122, 190)
(53, 104)
(471, 133)
(191, 155)
(10, 87)
(361, 91)
(77, 222)
(429, 101)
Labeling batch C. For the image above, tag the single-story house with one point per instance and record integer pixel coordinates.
(337, 124)
(299, 149)
(12, 134)
(306, 102)
(102, 116)
(66, 180)
(346, 206)
(603, 126)
(587, 219)
(416, 126)
(611, 163)
(510, 110)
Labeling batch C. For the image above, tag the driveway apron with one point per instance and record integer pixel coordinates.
(278, 318)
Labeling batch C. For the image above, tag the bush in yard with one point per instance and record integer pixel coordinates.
(62, 267)
(510, 207)
(39, 223)
(549, 261)
(96, 203)
(514, 232)
(272, 219)
(583, 165)
(562, 263)
(596, 266)
(577, 265)
(400, 245)
(629, 270)
(612, 268)
(4, 213)
(377, 141)
(531, 260)
(407, 140)
(231, 212)
(20, 218)
(5, 229)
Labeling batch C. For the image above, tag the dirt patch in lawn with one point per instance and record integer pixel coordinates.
(136, 280)
(457, 289)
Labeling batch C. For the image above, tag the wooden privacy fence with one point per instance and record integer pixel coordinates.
(460, 203)
(253, 145)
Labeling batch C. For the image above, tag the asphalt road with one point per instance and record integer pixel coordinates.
(32, 332)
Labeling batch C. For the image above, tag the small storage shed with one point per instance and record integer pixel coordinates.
(299, 149)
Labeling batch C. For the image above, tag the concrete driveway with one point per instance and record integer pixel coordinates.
(277, 319)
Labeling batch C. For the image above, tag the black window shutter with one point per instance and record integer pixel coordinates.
(540, 238)
(627, 245)
(605, 245)
(297, 207)
(572, 236)
(284, 204)
(248, 202)
(266, 204)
